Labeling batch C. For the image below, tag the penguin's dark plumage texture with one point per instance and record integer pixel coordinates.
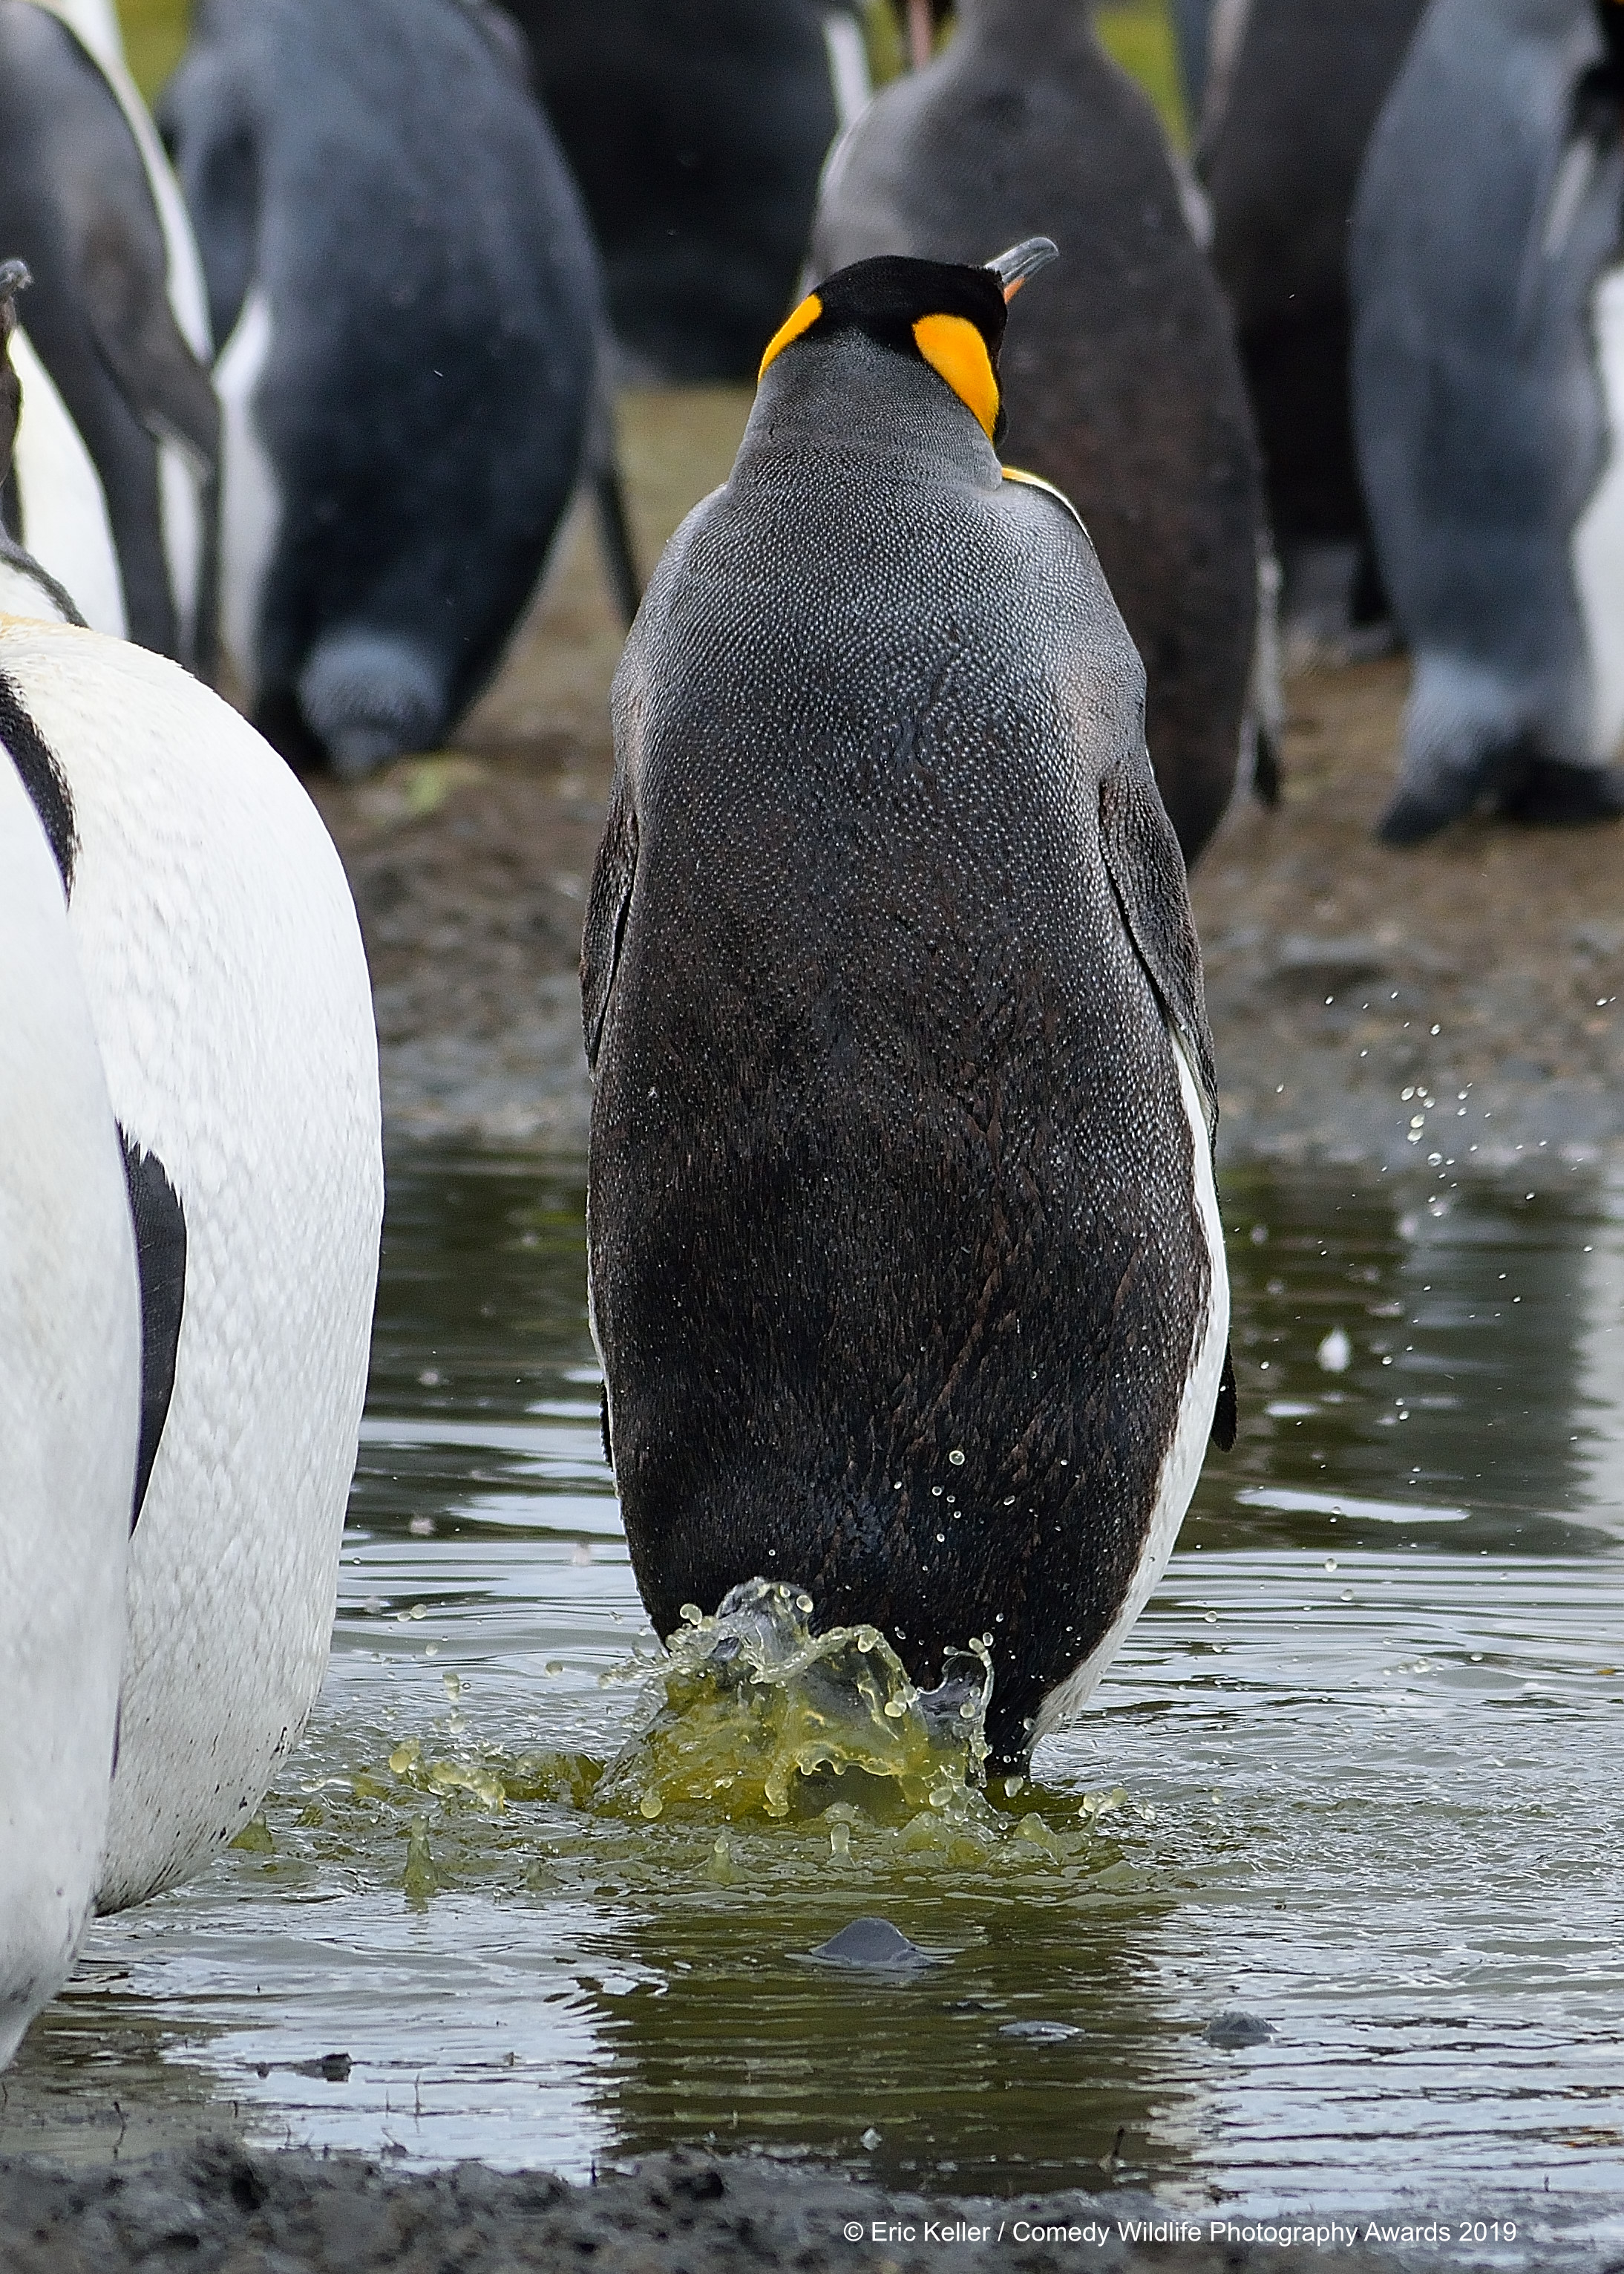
(1121, 379)
(1292, 96)
(904, 1268)
(1488, 379)
(697, 129)
(380, 204)
(77, 207)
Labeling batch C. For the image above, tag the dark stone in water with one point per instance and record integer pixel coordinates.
(332, 2068)
(869, 1942)
(1040, 2033)
(1232, 2029)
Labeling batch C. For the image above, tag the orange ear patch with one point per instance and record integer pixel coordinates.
(800, 321)
(952, 346)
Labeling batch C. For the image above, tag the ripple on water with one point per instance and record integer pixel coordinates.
(1354, 1777)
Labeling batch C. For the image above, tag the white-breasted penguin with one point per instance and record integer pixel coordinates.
(1488, 377)
(905, 1261)
(70, 1397)
(114, 482)
(407, 295)
(1122, 386)
(227, 986)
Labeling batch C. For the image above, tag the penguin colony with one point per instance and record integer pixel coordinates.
(905, 1263)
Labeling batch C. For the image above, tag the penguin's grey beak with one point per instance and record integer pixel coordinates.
(1012, 268)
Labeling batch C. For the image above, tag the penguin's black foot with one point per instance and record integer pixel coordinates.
(1412, 817)
(1549, 794)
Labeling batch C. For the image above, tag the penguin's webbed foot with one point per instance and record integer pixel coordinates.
(1551, 794)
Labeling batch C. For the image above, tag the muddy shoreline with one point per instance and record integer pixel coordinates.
(218, 2206)
(1482, 973)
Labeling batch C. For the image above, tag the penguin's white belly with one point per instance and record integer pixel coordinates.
(251, 503)
(64, 516)
(225, 975)
(70, 1393)
(1598, 538)
(848, 68)
(1182, 1465)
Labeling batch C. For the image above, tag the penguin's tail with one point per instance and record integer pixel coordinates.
(602, 464)
(614, 535)
(369, 697)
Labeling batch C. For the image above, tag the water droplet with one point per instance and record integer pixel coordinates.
(956, 1457)
(1335, 1352)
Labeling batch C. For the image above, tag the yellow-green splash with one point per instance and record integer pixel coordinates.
(755, 1715)
(763, 1755)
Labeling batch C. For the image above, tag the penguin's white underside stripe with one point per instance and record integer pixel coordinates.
(1598, 538)
(1188, 1447)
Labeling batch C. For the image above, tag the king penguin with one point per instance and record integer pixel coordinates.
(228, 991)
(406, 297)
(69, 1394)
(905, 1263)
(114, 487)
(1122, 386)
(1292, 92)
(1488, 373)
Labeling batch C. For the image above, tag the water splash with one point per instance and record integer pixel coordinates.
(753, 1714)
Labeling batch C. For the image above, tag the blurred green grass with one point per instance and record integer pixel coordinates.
(154, 33)
(1138, 33)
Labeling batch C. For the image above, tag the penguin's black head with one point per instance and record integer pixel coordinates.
(933, 311)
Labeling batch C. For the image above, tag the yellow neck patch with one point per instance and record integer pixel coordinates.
(802, 320)
(952, 346)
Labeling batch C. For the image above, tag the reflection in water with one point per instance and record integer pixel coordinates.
(1355, 1773)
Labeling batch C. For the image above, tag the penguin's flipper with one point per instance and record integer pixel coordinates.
(613, 873)
(1225, 1415)
(1147, 871)
(140, 343)
(161, 1266)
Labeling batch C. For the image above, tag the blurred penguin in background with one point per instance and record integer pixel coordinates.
(1488, 282)
(403, 280)
(697, 129)
(1121, 382)
(114, 484)
(1286, 93)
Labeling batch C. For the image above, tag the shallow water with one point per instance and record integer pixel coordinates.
(1356, 1774)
